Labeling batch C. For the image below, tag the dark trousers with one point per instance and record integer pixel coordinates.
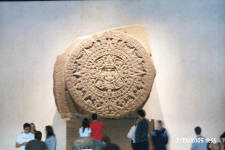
(142, 146)
(133, 145)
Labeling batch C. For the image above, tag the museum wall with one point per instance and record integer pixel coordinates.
(187, 45)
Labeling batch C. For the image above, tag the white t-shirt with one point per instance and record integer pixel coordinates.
(86, 133)
(131, 133)
(24, 137)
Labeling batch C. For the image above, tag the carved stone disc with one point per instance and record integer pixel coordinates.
(110, 74)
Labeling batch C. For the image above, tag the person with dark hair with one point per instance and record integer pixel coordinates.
(36, 144)
(32, 128)
(23, 138)
(222, 137)
(85, 130)
(105, 140)
(199, 142)
(159, 136)
(111, 146)
(141, 133)
(97, 130)
(50, 138)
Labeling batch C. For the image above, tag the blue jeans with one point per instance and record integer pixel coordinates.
(99, 143)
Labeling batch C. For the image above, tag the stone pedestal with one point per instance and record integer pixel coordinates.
(116, 129)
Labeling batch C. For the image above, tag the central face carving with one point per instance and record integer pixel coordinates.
(109, 79)
(110, 74)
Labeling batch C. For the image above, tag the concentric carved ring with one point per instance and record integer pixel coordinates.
(110, 74)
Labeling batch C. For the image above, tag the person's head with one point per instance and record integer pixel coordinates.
(32, 127)
(38, 135)
(141, 113)
(159, 124)
(26, 127)
(94, 116)
(197, 130)
(49, 131)
(111, 146)
(85, 123)
(105, 140)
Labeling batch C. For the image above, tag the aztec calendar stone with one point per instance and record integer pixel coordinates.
(110, 73)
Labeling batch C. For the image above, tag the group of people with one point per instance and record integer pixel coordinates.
(139, 134)
(30, 138)
(201, 143)
(95, 131)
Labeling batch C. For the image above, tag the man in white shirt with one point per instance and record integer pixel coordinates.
(131, 134)
(23, 138)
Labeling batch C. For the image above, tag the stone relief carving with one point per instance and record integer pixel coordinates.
(109, 73)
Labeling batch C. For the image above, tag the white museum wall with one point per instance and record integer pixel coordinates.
(188, 46)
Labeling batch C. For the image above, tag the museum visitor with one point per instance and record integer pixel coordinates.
(50, 138)
(36, 144)
(85, 130)
(97, 130)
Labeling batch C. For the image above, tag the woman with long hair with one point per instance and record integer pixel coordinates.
(50, 138)
(85, 130)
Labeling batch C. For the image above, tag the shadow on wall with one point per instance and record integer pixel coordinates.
(153, 106)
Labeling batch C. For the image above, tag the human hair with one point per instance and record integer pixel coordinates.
(197, 130)
(32, 124)
(141, 113)
(38, 135)
(94, 116)
(25, 125)
(106, 139)
(111, 146)
(160, 122)
(85, 123)
(32, 129)
(49, 131)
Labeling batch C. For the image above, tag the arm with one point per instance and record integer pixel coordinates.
(165, 137)
(19, 145)
(20, 142)
(80, 132)
(89, 131)
(28, 146)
